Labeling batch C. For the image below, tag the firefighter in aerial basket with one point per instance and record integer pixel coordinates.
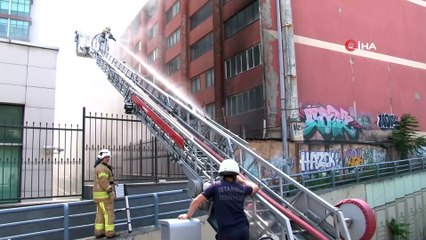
(104, 36)
(104, 196)
(228, 201)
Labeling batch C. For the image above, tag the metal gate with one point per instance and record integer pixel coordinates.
(53, 161)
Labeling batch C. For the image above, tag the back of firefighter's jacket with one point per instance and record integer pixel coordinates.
(103, 187)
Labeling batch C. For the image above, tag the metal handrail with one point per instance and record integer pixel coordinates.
(333, 178)
(66, 217)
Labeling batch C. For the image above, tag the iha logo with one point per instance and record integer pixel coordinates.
(351, 45)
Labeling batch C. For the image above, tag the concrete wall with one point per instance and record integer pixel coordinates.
(28, 77)
(402, 198)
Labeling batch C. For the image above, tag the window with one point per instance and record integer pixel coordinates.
(20, 7)
(202, 14)
(173, 65)
(210, 78)
(245, 101)
(173, 38)
(173, 11)
(15, 7)
(153, 56)
(153, 31)
(11, 122)
(242, 19)
(4, 6)
(211, 110)
(19, 29)
(202, 46)
(195, 84)
(3, 27)
(11, 115)
(242, 62)
(12, 28)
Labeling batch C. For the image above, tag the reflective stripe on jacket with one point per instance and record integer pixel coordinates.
(103, 185)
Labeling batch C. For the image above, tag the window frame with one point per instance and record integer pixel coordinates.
(173, 11)
(200, 15)
(243, 61)
(201, 47)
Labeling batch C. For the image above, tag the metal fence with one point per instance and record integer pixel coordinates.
(136, 153)
(331, 179)
(40, 161)
(31, 167)
(74, 220)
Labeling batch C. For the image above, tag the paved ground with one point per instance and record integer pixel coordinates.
(152, 233)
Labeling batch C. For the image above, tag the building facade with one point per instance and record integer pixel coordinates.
(28, 70)
(27, 92)
(344, 74)
(206, 50)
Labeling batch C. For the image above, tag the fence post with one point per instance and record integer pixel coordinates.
(395, 168)
(410, 167)
(66, 222)
(302, 179)
(83, 143)
(156, 210)
(357, 174)
(377, 170)
(156, 160)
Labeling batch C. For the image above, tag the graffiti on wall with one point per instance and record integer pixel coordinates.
(318, 161)
(373, 155)
(331, 123)
(358, 156)
(338, 156)
(366, 121)
(386, 121)
(277, 161)
(353, 157)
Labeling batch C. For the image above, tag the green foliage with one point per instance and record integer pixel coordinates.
(399, 231)
(404, 136)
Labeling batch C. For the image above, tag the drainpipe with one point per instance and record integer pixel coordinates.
(282, 88)
(290, 62)
(286, 45)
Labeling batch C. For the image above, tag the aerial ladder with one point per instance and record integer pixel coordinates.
(282, 209)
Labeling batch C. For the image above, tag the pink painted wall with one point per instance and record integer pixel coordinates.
(365, 85)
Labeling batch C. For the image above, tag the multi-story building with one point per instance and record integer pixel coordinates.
(178, 38)
(27, 70)
(359, 65)
(27, 91)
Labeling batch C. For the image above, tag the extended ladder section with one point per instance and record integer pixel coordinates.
(283, 208)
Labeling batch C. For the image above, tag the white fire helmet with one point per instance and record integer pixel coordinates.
(229, 167)
(104, 153)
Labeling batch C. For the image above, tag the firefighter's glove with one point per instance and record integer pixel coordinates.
(109, 189)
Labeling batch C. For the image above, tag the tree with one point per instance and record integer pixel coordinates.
(404, 136)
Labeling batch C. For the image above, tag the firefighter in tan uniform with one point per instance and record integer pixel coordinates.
(104, 196)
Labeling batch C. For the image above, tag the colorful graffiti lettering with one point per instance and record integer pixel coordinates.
(331, 123)
(317, 161)
(386, 121)
(354, 157)
(359, 156)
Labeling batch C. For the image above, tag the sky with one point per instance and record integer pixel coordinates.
(79, 82)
